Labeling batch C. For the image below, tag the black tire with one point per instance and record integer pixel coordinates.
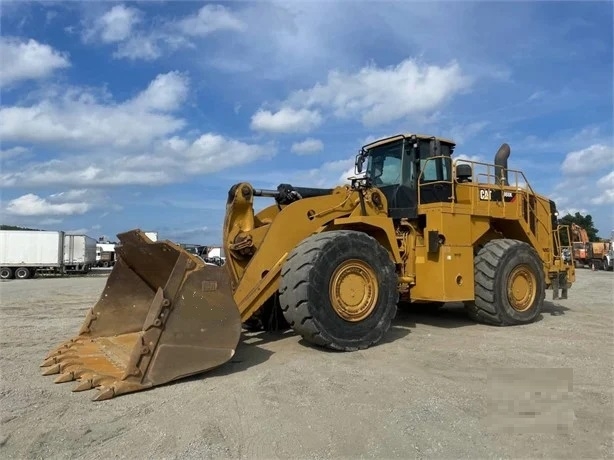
(6, 273)
(22, 273)
(305, 294)
(494, 264)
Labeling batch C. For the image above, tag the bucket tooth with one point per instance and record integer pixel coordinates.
(61, 348)
(83, 385)
(55, 369)
(104, 394)
(66, 377)
(49, 362)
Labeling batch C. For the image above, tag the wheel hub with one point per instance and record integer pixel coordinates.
(353, 290)
(521, 288)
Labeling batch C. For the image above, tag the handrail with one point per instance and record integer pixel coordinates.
(519, 183)
(518, 177)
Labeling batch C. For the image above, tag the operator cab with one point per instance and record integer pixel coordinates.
(394, 165)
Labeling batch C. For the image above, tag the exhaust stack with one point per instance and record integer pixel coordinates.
(501, 164)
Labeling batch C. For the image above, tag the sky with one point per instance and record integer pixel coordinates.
(122, 115)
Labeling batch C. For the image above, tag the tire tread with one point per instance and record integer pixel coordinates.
(487, 263)
(295, 284)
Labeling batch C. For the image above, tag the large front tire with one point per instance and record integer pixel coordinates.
(509, 284)
(339, 290)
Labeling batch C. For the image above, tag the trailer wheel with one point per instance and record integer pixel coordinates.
(339, 290)
(6, 273)
(22, 273)
(509, 284)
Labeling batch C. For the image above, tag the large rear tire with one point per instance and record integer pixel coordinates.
(339, 290)
(509, 284)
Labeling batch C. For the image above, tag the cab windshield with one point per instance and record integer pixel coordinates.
(384, 164)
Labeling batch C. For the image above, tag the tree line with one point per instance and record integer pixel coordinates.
(15, 227)
(586, 222)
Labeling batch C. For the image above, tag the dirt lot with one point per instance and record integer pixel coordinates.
(430, 390)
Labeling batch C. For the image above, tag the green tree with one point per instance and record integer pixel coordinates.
(586, 222)
(14, 227)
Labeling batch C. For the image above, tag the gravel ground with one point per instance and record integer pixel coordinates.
(434, 388)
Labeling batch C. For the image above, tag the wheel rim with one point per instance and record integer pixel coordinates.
(522, 288)
(354, 290)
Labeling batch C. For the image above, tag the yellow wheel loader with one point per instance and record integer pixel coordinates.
(333, 264)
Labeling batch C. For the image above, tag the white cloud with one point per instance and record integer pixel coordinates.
(374, 95)
(13, 152)
(606, 187)
(117, 23)
(566, 210)
(34, 205)
(28, 60)
(141, 47)
(327, 175)
(140, 38)
(150, 45)
(381, 95)
(69, 195)
(588, 160)
(108, 143)
(78, 117)
(587, 185)
(464, 158)
(165, 93)
(308, 146)
(286, 120)
(209, 19)
(208, 153)
(170, 161)
(332, 173)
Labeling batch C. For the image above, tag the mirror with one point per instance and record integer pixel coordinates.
(360, 160)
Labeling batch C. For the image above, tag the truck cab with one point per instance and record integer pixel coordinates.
(396, 164)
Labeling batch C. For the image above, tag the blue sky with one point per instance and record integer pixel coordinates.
(122, 115)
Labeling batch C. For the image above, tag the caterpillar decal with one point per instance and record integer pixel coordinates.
(487, 194)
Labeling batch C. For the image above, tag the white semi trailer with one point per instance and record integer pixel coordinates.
(23, 253)
(79, 253)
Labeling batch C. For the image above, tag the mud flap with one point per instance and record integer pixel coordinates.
(559, 281)
(163, 315)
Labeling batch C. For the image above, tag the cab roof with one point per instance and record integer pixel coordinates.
(387, 140)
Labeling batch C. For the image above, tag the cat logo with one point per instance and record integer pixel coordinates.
(495, 195)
